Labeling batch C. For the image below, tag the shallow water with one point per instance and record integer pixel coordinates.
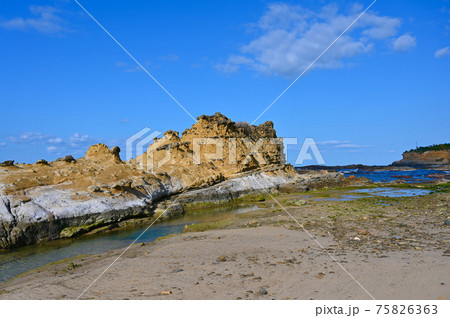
(17, 261)
(343, 197)
(393, 192)
(413, 176)
(382, 192)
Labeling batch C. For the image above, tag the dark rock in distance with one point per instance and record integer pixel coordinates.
(67, 158)
(7, 163)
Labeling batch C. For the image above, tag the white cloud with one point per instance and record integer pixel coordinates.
(77, 137)
(340, 144)
(331, 142)
(27, 137)
(56, 140)
(347, 146)
(404, 43)
(46, 20)
(2, 144)
(76, 143)
(233, 63)
(292, 37)
(442, 52)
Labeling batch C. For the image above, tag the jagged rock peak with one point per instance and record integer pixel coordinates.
(221, 126)
(217, 117)
(101, 152)
(169, 134)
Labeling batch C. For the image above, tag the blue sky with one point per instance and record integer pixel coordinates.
(382, 87)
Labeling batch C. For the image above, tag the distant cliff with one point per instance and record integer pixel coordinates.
(435, 155)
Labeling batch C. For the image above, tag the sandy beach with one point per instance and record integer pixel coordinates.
(394, 250)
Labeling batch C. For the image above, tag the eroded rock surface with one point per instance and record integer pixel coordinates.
(69, 196)
(420, 157)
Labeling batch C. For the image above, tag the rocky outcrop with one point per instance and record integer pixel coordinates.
(216, 146)
(102, 154)
(428, 158)
(7, 163)
(267, 181)
(215, 160)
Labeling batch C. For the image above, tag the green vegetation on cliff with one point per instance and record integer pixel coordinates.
(428, 148)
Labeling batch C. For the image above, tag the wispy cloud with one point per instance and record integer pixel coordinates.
(56, 140)
(404, 43)
(342, 144)
(348, 146)
(170, 58)
(76, 144)
(442, 52)
(291, 37)
(27, 137)
(331, 142)
(45, 19)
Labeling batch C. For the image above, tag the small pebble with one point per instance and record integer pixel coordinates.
(262, 291)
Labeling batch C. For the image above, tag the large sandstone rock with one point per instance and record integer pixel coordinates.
(49, 201)
(214, 146)
(101, 153)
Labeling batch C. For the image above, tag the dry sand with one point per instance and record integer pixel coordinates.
(238, 263)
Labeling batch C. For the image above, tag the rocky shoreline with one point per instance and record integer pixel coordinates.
(411, 166)
(70, 197)
(53, 213)
(384, 241)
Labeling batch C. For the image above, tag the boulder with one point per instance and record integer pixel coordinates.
(102, 154)
(173, 211)
(94, 188)
(300, 202)
(123, 185)
(67, 158)
(42, 162)
(7, 163)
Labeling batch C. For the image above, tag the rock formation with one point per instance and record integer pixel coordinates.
(432, 156)
(214, 146)
(215, 160)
